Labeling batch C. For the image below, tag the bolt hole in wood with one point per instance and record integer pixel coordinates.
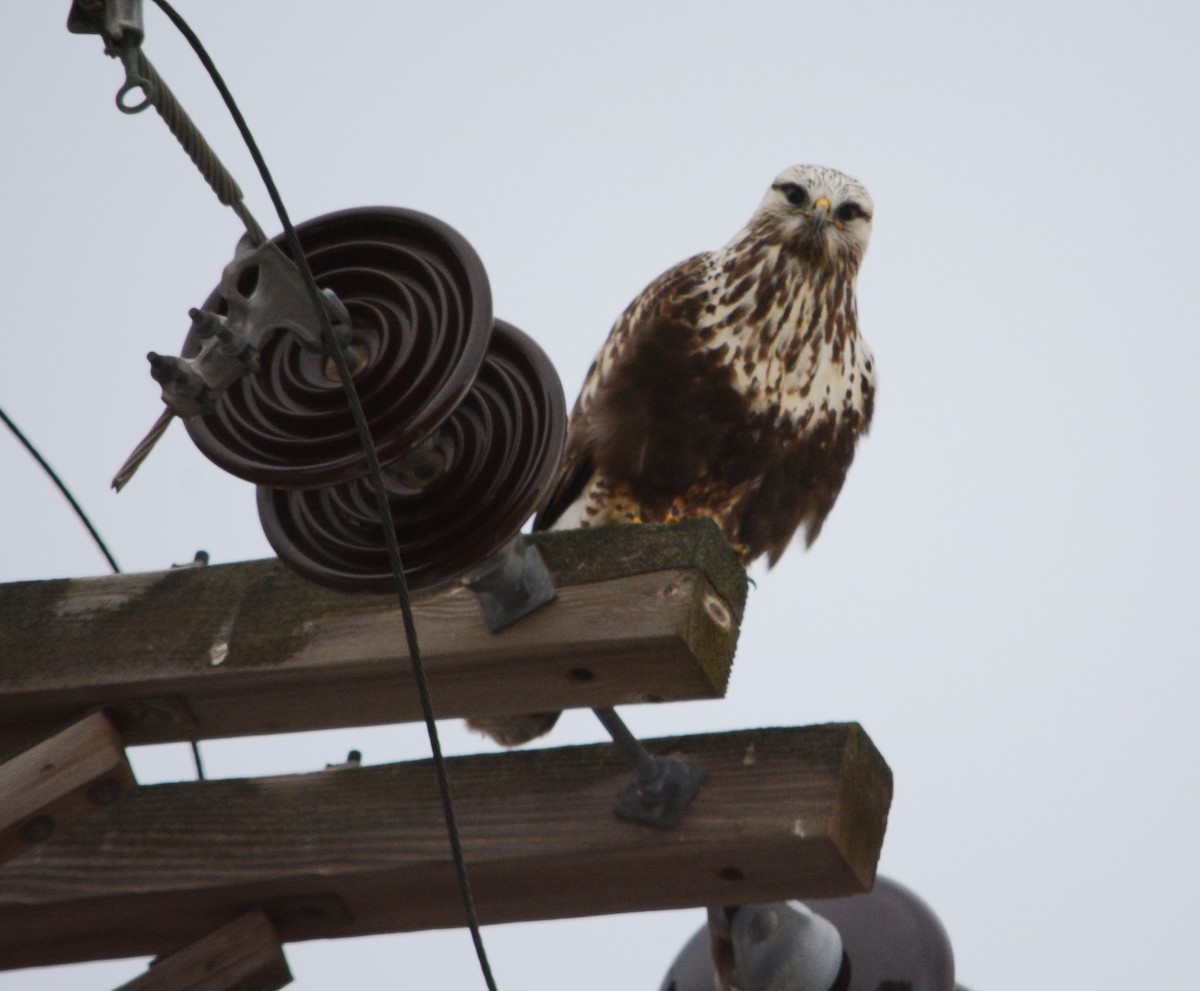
(37, 830)
(730, 874)
(581, 676)
(104, 792)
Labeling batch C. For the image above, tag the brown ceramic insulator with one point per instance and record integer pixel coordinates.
(497, 454)
(421, 317)
(892, 939)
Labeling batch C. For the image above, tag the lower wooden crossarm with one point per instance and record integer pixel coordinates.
(782, 813)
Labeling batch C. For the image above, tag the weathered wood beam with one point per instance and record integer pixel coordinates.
(644, 613)
(243, 955)
(66, 777)
(783, 813)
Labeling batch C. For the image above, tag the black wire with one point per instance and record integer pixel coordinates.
(376, 474)
(83, 517)
(112, 561)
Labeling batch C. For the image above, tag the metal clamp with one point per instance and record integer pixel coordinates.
(119, 23)
(512, 583)
(662, 787)
(263, 292)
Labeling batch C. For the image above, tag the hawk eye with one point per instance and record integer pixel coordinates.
(848, 212)
(796, 194)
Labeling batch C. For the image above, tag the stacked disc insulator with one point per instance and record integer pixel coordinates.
(467, 413)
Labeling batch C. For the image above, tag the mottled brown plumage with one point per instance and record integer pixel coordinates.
(735, 386)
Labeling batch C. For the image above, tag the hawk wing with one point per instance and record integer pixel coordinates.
(668, 299)
(574, 473)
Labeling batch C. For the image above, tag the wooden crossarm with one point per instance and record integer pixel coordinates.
(783, 813)
(644, 613)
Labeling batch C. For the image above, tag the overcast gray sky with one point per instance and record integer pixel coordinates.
(1005, 595)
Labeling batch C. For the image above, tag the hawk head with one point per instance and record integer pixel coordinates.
(819, 211)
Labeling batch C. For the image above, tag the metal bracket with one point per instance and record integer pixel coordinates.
(133, 717)
(512, 583)
(263, 292)
(119, 23)
(662, 787)
(110, 19)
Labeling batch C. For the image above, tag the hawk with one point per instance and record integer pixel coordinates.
(735, 386)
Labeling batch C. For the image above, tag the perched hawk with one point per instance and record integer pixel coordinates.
(735, 386)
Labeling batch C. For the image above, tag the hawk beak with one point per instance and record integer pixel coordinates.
(821, 210)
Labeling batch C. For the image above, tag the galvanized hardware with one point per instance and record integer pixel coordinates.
(778, 944)
(261, 293)
(511, 584)
(353, 760)
(119, 23)
(113, 20)
(662, 787)
(184, 390)
(887, 938)
(134, 78)
(424, 464)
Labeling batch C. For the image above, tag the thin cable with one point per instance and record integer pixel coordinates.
(83, 517)
(196, 757)
(91, 529)
(376, 474)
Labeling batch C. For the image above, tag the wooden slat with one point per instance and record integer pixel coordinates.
(783, 813)
(643, 613)
(68, 776)
(243, 955)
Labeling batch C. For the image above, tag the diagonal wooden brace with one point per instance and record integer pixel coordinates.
(67, 777)
(243, 955)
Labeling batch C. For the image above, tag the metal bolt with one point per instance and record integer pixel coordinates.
(356, 357)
